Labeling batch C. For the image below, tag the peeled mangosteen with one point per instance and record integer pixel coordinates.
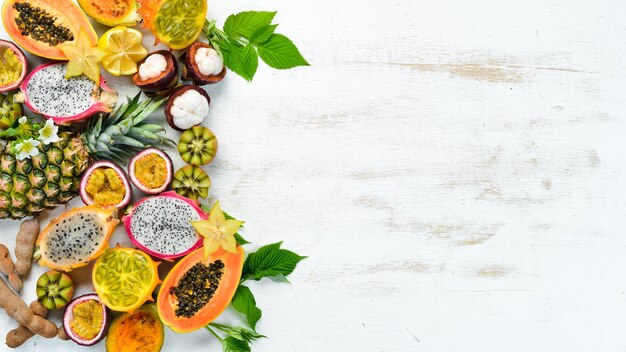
(202, 64)
(157, 73)
(186, 107)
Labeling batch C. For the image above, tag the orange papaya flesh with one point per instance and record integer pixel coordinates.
(41, 26)
(198, 289)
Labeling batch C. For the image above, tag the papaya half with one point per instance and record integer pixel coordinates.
(198, 289)
(40, 26)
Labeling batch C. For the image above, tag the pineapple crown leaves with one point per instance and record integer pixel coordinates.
(123, 133)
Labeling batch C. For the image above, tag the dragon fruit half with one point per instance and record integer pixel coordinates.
(46, 91)
(161, 225)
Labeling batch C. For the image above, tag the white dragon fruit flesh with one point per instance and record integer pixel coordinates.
(161, 225)
(46, 91)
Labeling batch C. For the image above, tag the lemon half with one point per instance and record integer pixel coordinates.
(124, 49)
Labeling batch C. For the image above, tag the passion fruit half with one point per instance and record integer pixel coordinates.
(151, 170)
(201, 64)
(187, 107)
(197, 146)
(86, 320)
(105, 184)
(157, 74)
(13, 66)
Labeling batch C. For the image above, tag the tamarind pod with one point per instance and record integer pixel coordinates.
(25, 246)
(7, 268)
(17, 337)
(17, 309)
(62, 333)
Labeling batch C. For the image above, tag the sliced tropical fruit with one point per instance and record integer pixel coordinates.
(140, 331)
(124, 278)
(124, 49)
(197, 146)
(86, 320)
(199, 288)
(54, 289)
(76, 237)
(13, 66)
(104, 183)
(111, 12)
(191, 182)
(83, 57)
(175, 23)
(150, 170)
(41, 26)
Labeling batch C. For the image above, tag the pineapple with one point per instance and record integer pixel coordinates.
(52, 177)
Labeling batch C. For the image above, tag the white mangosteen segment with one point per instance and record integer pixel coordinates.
(137, 183)
(154, 66)
(189, 109)
(209, 62)
(68, 317)
(88, 199)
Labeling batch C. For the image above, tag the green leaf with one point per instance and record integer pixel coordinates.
(262, 34)
(231, 344)
(245, 23)
(240, 240)
(270, 260)
(281, 53)
(280, 278)
(244, 302)
(241, 60)
(240, 333)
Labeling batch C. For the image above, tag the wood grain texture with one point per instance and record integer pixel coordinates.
(453, 169)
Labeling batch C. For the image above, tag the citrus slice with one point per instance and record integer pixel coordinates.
(124, 49)
(124, 278)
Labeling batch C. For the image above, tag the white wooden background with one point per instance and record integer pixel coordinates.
(454, 169)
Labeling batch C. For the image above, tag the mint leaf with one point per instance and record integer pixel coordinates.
(231, 344)
(240, 240)
(244, 302)
(280, 278)
(240, 333)
(268, 261)
(250, 60)
(245, 23)
(281, 53)
(241, 60)
(262, 34)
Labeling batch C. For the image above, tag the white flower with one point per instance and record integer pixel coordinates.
(49, 133)
(22, 120)
(26, 149)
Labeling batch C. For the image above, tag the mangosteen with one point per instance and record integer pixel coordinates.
(157, 73)
(202, 64)
(187, 107)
